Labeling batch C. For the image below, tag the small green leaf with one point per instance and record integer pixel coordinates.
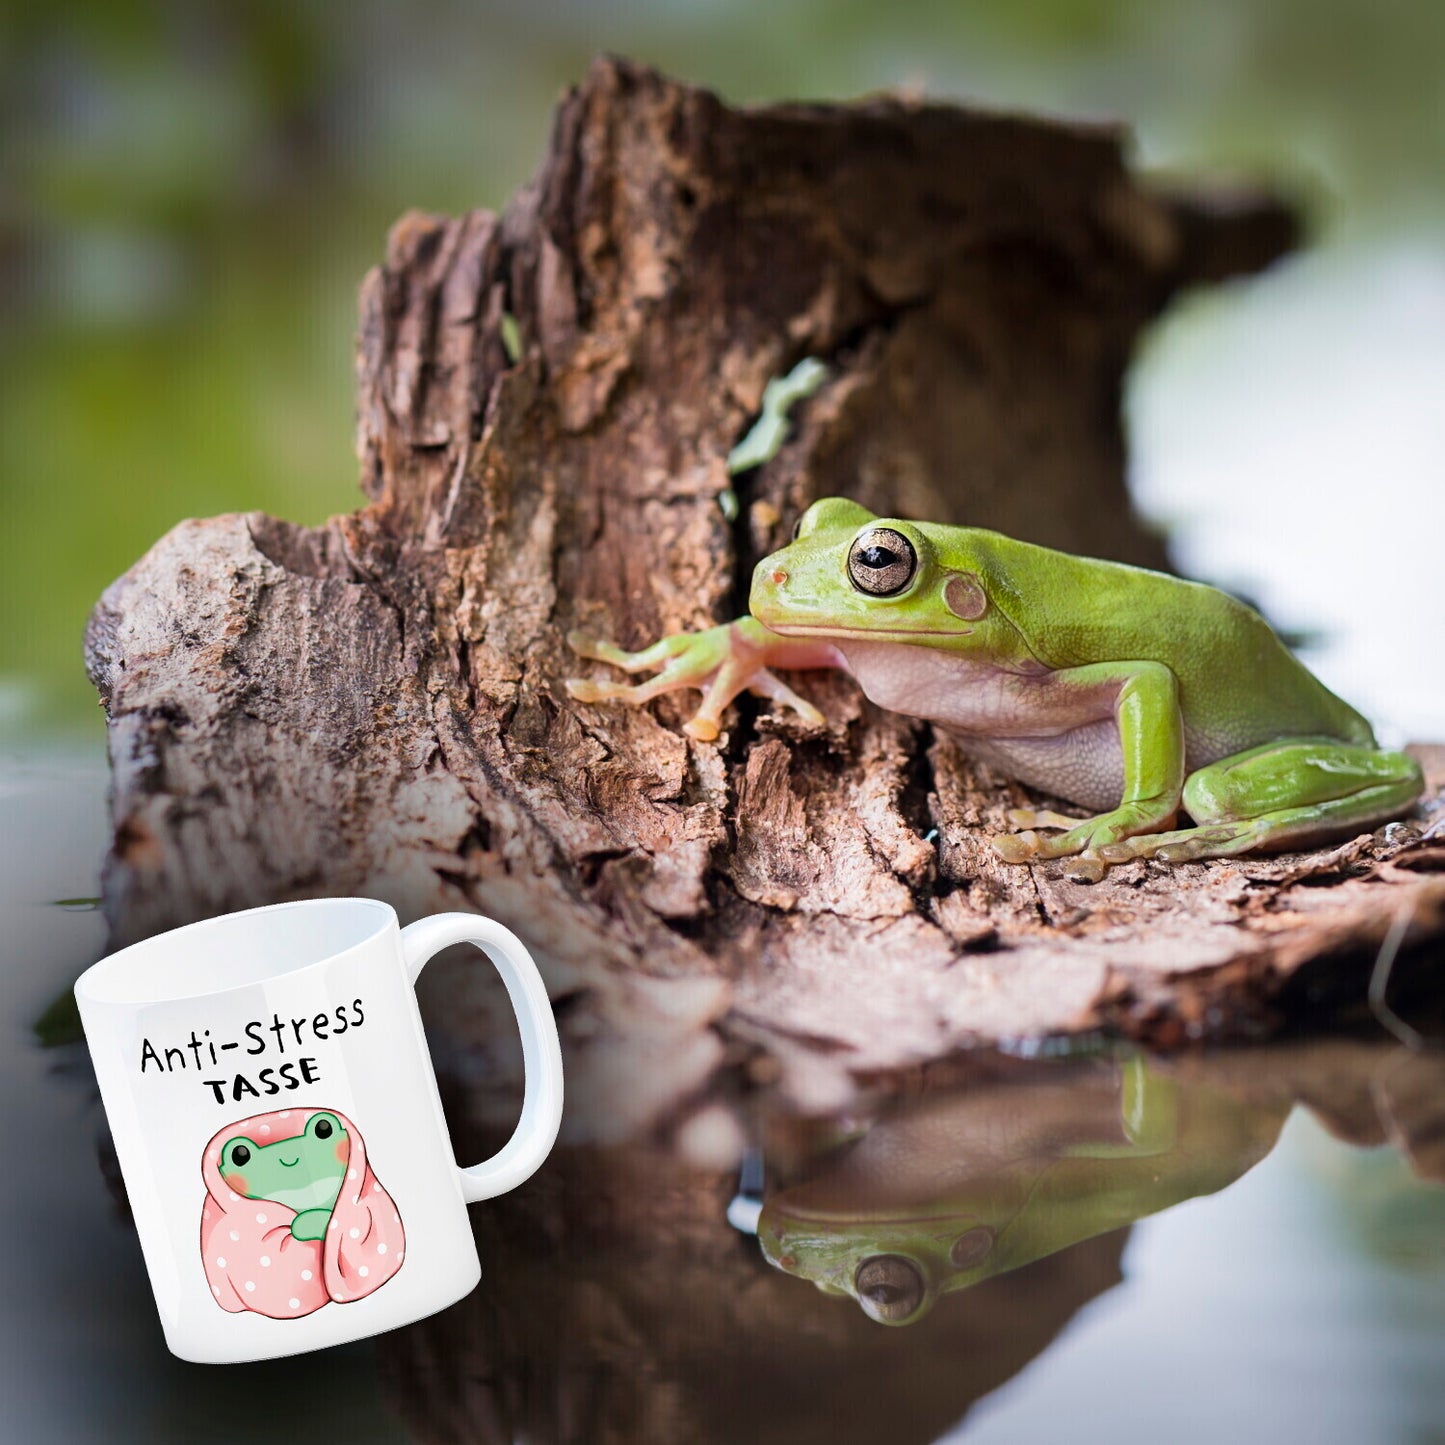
(511, 337)
(770, 431)
(60, 1023)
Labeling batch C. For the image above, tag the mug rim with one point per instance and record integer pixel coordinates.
(90, 987)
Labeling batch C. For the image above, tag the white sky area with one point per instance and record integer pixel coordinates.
(1291, 432)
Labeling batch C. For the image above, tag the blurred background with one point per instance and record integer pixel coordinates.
(190, 193)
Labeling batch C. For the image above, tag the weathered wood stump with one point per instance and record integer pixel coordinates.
(547, 401)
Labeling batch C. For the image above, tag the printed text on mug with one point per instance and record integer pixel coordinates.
(276, 1036)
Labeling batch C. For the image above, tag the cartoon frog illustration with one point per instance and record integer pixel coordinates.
(294, 1216)
(304, 1173)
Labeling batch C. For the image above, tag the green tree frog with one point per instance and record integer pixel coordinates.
(1133, 694)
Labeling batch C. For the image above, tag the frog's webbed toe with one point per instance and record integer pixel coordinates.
(1088, 867)
(1085, 866)
(769, 685)
(1038, 818)
(721, 661)
(1016, 847)
(683, 660)
(737, 675)
(1091, 845)
(591, 689)
(1188, 845)
(1087, 837)
(599, 649)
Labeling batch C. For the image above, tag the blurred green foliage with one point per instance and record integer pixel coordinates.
(190, 192)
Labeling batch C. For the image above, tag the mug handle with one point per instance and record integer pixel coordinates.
(521, 1156)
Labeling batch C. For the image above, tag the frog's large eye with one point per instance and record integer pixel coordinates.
(323, 1128)
(881, 562)
(889, 1287)
(239, 1154)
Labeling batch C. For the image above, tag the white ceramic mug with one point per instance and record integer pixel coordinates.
(277, 1121)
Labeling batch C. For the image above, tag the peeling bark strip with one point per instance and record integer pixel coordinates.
(376, 706)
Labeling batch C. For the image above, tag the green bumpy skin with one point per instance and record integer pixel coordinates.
(304, 1173)
(1134, 694)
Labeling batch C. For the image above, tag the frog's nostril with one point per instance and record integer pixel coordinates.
(777, 577)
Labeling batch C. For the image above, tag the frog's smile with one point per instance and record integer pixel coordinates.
(882, 1221)
(866, 634)
(289, 1163)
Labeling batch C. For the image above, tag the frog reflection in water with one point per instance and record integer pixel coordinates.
(959, 1189)
(304, 1173)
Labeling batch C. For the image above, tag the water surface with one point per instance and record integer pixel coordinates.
(1232, 1246)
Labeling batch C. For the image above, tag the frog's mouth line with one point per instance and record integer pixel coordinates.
(872, 634)
(824, 1216)
(289, 1163)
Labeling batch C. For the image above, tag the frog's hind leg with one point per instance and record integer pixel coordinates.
(1281, 795)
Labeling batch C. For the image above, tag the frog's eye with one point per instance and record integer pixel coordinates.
(798, 527)
(239, 1155)
(881, 562)
(323, 1128)
(889, 1287)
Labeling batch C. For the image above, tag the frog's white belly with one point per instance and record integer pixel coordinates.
(1057, 737)
(1084, 765)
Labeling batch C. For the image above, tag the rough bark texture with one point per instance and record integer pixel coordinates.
(377, 705)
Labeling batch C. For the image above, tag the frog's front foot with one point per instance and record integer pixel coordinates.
(1016, 847)
(721, 661)
(310, 1224)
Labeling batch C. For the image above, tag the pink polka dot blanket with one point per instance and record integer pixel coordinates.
(294, 1216)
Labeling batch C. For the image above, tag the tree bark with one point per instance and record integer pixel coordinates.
(376, 706)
